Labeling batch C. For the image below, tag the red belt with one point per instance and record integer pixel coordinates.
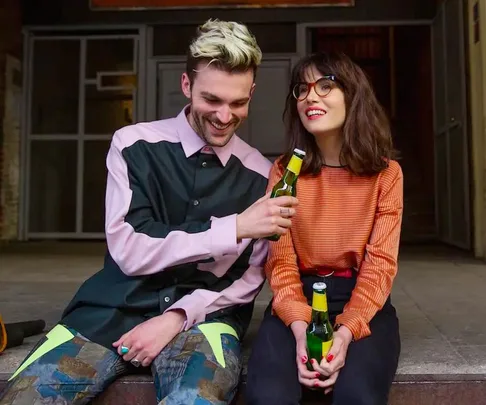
(327, 271)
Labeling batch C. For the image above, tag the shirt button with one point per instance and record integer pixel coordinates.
(195, 202)
(204, 164)
(166, 299)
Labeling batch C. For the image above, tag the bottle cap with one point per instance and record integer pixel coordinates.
(299, 151)
(319, 286)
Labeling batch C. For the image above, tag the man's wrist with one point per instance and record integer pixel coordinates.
(239, 231)
(179, 316)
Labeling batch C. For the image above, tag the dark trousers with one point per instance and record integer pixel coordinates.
(366, 377)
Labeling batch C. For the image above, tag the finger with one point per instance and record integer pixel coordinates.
(265, 197)
(314, 383)
(322, 370)
(147, 361)
(283, 223)
(287, 212)
(309, 382)
(334, 350)
(328, 390)
(302, 358)
(331, 380)
(123, 345)
(285, 201)
(133, 352)
(277, 230)
(304, 372)
(119, 341)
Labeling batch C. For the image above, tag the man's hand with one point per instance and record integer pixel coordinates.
(146, 341)
(265, 217)
(335, 359)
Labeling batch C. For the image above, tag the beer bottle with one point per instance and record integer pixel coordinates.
(286, 185)
(319, 331)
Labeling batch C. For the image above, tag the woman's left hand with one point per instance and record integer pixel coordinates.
(335, 359)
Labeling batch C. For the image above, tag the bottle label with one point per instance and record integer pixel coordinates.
(319, 302)
(294, 165)
(326, 346)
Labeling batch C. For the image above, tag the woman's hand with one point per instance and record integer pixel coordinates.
(335, 359)
(308, 378)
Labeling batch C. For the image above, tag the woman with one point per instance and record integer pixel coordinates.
(346, 233)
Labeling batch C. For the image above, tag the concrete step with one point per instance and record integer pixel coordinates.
(407, 390)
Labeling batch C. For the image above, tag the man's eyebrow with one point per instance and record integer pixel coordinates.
(209, 95)
(216, 98)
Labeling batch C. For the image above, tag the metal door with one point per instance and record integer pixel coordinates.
(451, 132)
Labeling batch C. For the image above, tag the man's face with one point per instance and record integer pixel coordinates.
(219, 102)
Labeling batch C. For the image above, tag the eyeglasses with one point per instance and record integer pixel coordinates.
(323, 87)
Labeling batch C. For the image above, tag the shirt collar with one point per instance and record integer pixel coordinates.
(192, 142)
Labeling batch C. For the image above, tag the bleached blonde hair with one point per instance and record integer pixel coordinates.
(227, 44)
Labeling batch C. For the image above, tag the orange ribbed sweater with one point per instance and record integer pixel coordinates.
(343, 221)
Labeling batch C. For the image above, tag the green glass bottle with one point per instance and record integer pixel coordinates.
(319, 331)
(286, 185)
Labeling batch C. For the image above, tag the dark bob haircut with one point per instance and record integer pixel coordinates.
(367, 145)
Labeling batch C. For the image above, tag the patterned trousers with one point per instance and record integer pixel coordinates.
(200, 366)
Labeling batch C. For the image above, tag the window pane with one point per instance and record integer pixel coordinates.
(109, 55)
(107, 111)
(94, 185)
(52, 196)
(55, 87)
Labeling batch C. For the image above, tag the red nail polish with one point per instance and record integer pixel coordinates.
(317, 375)
(316, 384)
(330, 357)
(304, 359)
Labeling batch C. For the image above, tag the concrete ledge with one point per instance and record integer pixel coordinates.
(417, 390)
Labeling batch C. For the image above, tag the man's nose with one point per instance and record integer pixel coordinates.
(224, 115)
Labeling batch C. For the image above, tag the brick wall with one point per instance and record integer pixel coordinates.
(10, 44)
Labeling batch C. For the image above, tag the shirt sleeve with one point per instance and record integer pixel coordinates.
(379, 267)
(242, 291)
(282, 271)
(138, 243)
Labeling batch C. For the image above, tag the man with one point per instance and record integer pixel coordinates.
(186, 218)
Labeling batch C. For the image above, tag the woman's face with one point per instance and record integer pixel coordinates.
(323, 111)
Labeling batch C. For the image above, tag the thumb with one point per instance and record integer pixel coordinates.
(265, 197)
(336, 346)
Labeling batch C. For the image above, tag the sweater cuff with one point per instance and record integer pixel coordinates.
(292, 311)
(355, 323)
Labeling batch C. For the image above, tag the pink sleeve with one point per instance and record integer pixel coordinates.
(202, 302)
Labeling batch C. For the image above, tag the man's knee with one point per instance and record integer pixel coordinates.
(204, 393)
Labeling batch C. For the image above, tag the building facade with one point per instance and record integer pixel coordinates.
(82, 73)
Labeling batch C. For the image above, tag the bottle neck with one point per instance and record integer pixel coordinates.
(289, 177)
(319, 317)
(319, 307)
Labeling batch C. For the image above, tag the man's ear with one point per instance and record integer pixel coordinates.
(252, 90)
(186, 85)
